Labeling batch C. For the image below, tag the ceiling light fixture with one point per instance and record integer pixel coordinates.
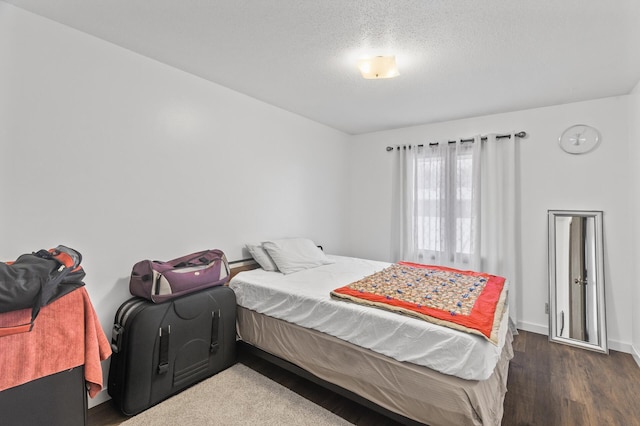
(378, 67)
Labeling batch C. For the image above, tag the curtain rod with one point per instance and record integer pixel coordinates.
(483, 138)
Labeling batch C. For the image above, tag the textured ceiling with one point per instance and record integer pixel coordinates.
(457, 59)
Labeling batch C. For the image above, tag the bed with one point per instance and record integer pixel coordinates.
(409, 369)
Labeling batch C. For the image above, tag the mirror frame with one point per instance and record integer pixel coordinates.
(602, 345)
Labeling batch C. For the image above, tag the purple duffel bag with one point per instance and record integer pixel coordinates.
(161, 281)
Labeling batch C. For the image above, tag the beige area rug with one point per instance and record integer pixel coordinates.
(236, 396)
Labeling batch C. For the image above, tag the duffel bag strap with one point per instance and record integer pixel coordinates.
(191, 259)
(163, 359)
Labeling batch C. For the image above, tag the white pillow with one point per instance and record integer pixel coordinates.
(295, 254)
(262, 257)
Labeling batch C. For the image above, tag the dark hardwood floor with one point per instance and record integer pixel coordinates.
(549, 384)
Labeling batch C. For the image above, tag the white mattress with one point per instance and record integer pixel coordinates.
(303, 298)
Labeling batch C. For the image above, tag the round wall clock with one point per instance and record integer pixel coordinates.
(579, 139)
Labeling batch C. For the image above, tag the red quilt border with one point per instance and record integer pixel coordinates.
(482, 314)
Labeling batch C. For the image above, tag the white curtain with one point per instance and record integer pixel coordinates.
(500, 211)
(437, 204)
(455, 205)
(402, 234)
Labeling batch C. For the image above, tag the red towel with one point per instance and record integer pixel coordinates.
(65, 335)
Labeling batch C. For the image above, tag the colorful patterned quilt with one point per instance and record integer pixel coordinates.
(464, 300)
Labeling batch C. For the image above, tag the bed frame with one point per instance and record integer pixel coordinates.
(444, 399)
(238, 266)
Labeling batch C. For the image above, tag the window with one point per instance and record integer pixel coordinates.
(436, 207)
(444, 217)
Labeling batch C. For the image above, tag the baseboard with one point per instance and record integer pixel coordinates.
(613, 344)
(533, 328)
(636, 355)
(620, 346)
(102, 396)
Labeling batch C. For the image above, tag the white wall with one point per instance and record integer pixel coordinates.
(634, 144)
(550, 179)
(124, 158)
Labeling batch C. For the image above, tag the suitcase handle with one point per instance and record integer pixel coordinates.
(215, 319)
(163, 359)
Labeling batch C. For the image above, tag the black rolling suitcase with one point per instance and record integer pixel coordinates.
(161, 349)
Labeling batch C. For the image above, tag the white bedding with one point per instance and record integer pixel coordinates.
(303, 298)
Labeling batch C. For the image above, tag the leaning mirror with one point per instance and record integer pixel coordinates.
(576, 279)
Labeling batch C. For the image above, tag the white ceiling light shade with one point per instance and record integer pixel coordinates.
(378, 67)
